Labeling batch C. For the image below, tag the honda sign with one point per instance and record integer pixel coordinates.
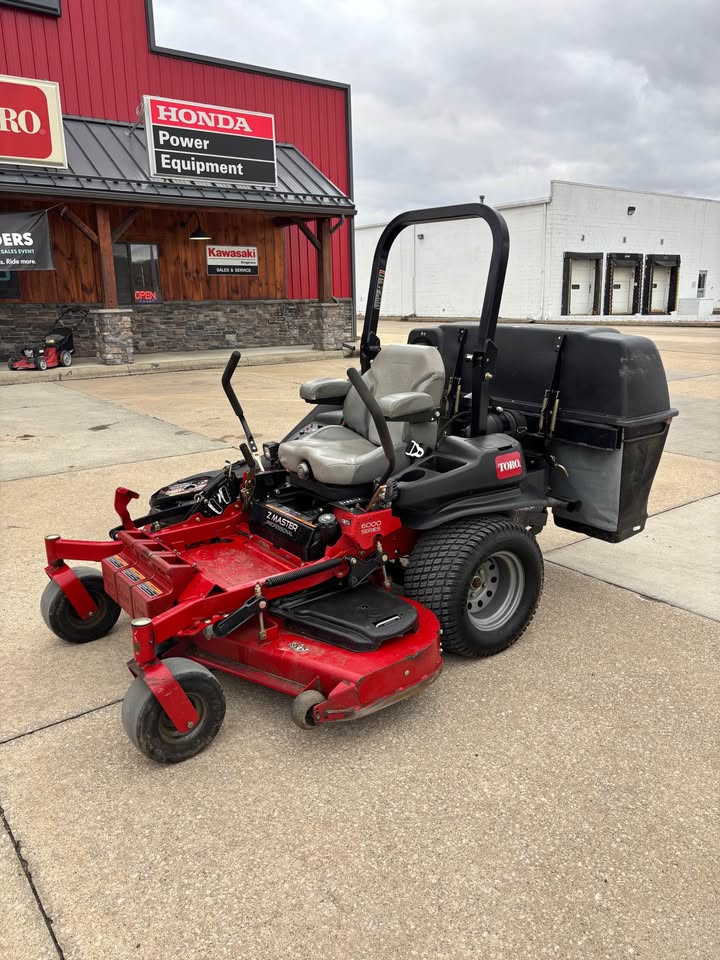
(196, 141)
(31, 131)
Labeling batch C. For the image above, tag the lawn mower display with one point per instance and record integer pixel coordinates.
(400, 511)
(57, 348)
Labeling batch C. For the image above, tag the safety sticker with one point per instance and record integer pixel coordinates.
(150, 589)
(116, 562)
(133, 575)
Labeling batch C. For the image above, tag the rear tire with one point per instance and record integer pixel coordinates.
(152, 731)
(65, 358)
(61, 617)
(482, 578)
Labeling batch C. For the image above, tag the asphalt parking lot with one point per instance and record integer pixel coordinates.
(560, 800)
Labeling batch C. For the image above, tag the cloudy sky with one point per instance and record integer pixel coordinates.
(454, 98)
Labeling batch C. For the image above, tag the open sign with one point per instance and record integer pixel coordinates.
(146, 296)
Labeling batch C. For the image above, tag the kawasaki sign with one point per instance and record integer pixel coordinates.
(224, 261)
(196, 141)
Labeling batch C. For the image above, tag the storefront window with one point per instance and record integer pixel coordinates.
(9, 285)
(137, 273)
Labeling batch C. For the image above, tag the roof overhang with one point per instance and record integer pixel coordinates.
(107, 163)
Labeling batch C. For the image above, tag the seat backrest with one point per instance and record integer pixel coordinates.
(398, 368)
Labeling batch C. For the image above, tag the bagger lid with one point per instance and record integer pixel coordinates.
(605, 376)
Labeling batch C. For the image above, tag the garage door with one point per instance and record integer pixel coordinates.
(622, 294)
(582, 287)
(660, 289)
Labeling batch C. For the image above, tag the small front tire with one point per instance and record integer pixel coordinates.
(153, 732)
(41, 364)
(303, 706)
(66, 623)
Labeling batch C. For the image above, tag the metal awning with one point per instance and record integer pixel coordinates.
(107, 160)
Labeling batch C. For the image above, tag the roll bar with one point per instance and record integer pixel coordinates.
(483, 358)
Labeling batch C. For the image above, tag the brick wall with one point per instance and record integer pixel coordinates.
(185, 325)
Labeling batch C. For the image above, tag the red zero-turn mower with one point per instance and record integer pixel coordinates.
(57, 348)
(404, 506)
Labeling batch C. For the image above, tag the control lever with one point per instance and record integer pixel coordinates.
(230, 368)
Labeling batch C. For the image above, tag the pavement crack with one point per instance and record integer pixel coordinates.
(25, 867)
(56, 723)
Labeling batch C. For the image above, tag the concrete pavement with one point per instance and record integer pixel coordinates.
(560, 800)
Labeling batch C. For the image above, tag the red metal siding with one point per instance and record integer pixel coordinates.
(98, 52)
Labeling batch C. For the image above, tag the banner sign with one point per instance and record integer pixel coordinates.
(196, 141)
(31, 130)
(231, 261)
(25, 241)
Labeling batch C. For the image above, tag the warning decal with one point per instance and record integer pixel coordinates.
(133, 575)
(150, 589)
(116, 562)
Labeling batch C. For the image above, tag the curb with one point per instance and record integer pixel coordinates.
(97, 371)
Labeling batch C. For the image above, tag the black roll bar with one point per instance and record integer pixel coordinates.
(484, 357)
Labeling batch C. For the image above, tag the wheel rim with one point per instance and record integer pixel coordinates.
(495, 591)
(76, 622)
(166, 729)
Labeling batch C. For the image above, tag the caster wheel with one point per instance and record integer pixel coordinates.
(301, 711)
(482, 578)
(41, 364)
(60, 615)
(153, 732)
(65, 358)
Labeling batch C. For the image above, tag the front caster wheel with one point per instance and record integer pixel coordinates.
(303, 706)
(61, 617)
(482, 578)
(153, 732)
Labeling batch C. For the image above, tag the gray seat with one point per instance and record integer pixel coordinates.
(407, 381)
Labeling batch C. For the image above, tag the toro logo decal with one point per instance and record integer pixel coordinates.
(30, 122)
(508, 465)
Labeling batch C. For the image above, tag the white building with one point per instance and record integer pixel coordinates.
(584, 251)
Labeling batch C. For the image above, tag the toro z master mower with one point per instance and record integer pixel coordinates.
(403, 509)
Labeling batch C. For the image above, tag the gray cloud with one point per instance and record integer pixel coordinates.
(452, 98)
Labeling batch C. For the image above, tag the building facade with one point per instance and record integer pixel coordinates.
(125, 238)
(585, 251)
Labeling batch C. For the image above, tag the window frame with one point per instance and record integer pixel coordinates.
(155, 266)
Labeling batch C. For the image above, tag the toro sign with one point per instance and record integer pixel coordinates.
(225, 261)
(31, 131)
(196, 141)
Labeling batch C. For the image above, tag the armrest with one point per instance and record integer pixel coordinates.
(416, 407)
(324, 388)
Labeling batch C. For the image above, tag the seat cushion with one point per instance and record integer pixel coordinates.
(336, 455)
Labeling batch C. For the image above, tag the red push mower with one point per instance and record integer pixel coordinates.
(402, 508)
(57, 348)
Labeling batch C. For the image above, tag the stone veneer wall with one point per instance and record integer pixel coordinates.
(195, 325)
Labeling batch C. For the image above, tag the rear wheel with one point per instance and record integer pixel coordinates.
(482, 578)
(153, 732)
(66, 623)
(65, 358)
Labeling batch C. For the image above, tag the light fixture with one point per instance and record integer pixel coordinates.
(630, 211)
(198, 233)
(421, 236)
